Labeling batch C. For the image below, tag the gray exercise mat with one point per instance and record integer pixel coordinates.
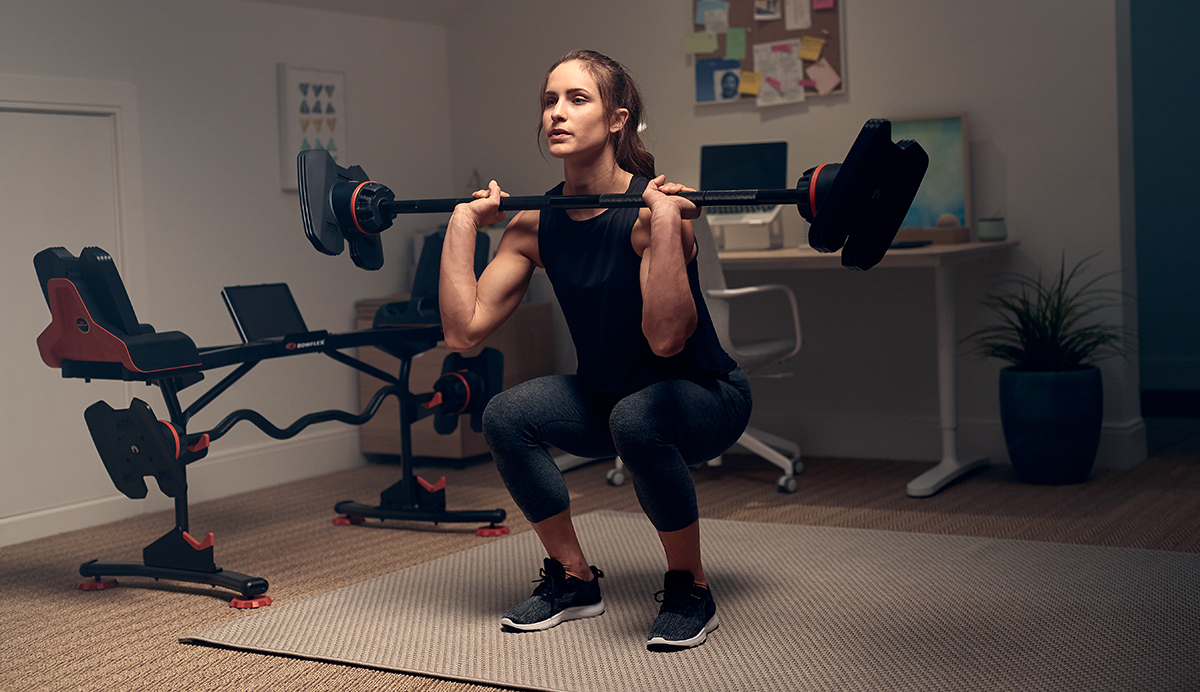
(801, 608)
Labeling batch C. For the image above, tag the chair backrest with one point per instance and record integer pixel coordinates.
(712, 277)
(422, 304)
(428, 274)
(99, 284)
(93, 323)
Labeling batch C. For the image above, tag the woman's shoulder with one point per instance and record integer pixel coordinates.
(524, 223)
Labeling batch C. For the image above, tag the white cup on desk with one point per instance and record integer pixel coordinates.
(992, 230)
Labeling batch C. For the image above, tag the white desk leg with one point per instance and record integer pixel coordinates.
(950, 467)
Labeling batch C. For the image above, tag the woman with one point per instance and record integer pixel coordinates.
(653, 384)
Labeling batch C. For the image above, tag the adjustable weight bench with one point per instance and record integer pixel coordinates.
(94, 334)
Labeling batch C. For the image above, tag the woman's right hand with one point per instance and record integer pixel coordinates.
(485, 209)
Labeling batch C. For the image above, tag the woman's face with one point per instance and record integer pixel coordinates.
(573, 117)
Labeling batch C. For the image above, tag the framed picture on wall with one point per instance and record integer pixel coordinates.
(312, 115)
(944, 198)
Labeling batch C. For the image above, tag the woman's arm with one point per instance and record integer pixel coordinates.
(472, 309)
(668, 311)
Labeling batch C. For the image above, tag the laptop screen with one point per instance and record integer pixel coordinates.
(263, 311)
(756, 166)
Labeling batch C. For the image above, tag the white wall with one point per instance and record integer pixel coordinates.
(1046, 90)
(213, 211)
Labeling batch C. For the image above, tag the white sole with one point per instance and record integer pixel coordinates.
(576, 613)
(660, 644)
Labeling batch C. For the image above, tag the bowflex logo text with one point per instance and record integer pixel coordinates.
(304, 344)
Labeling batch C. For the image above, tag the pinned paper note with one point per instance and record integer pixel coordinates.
(703, 6)
(716, 21)
(735, 43)
(780, 66)
(810, 48)
(797, 15)
(808, 83)
(751, 83)
(701, 42)
(824, 75)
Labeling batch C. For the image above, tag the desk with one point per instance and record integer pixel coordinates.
(939, 258)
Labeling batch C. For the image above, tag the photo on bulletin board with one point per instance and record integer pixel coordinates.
(944, 198)
(312, 115)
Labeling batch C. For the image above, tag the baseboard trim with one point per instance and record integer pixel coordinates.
(222, 474)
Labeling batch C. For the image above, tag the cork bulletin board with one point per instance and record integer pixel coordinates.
(771, 52)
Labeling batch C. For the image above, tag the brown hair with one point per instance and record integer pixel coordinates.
(617, 90)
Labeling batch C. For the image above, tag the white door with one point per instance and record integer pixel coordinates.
(59, 186)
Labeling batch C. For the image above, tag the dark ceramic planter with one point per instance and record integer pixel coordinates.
(1051, 423)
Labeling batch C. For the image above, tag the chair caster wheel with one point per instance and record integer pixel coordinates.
(797, 467)
(786, 484)
(615, 477)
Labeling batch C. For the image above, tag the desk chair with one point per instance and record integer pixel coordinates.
(751, 356)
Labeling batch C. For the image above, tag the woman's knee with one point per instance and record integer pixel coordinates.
(506, 420)
(634, 428)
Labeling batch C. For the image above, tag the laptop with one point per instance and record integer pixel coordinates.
(755, 166)
(752, 166)
(263, 312)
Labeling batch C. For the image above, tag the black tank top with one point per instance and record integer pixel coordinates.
(595, 274)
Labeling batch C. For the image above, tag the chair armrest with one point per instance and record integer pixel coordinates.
(726, 293)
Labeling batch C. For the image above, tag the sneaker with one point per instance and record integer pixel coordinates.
(687, 615)
(557, 599)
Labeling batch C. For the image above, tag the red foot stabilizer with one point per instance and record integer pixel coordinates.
(352, 519)
(97, 584)
(492, 530)
(260, 602)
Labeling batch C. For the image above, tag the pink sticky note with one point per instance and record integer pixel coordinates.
(824, 75)
(822, 4)
(782, 48)
(807, 83)
(773, 82)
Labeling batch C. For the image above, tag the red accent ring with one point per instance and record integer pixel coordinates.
(174, 433)
(467, 386)
(354, 204)
(812, 189)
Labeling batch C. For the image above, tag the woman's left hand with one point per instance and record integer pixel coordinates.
(659, 192)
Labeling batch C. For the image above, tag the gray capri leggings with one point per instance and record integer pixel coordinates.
(658, 432)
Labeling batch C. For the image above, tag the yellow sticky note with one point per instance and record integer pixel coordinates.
(701, 42)
(751, 83)
(810, 48)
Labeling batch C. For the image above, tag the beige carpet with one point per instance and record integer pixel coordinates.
(802, 607)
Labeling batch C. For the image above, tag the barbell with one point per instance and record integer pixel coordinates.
(855, 206)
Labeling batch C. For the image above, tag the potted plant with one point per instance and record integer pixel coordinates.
(1051, 394)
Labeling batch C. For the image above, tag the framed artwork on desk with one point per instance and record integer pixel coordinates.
(943, 201)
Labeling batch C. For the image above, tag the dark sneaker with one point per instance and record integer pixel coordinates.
(557, 599)
(687, 615)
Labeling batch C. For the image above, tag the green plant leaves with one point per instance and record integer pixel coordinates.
(1052, 326)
